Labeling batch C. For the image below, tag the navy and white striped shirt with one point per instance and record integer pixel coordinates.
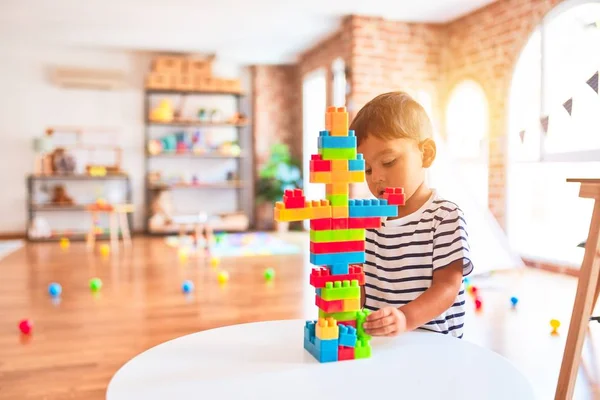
(402, 255)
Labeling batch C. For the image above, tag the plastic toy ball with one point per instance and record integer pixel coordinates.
(95, 284)
(478, 304)
(223, 277)
(105, 249)
(54, 289)
(25, 326)
(188, 286)
(214, 261)
(64, 243)
(514, 301)
(555, 324)
(269, 274)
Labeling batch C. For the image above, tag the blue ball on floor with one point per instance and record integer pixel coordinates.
(514, 301)
(187, 286)
(54, 289)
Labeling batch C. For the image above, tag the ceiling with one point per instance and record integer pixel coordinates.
(243, 31)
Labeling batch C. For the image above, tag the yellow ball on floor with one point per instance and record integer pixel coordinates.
(223, 276)
(214, 261)
(64, 243)
(105, 249)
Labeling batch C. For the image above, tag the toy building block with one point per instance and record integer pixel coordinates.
(341, 290)
(362, 349)
(336, 121)
(337, 247)
(345, 353)
(319, 177)
(318, 164)
(355, 257)
(339, 269)
(324, 224)
(340, 212)
(370, 208)
(339, 223)
(337, 199)
(326, 141)
(338, 154)
(341, 316)
(361, 317)
(293, 198)
(327, 328)
(323, 351)
(329, 306)
(347, 336)
(363, 223)
(337, 188)
(319, 276)
(317, 209)
(339, 165)
(350, 305)
(326, 345)
(394, 196)
(351, 323)
(358, 164)
(330, 177)
(340, 235)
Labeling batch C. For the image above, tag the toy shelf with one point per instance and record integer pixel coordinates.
(191, 143)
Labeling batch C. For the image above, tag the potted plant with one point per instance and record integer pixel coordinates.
(279, 173)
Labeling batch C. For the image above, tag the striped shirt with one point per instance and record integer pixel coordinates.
(402, 254)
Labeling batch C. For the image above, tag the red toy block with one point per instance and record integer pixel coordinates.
(337, 247)
(317, 164)
(345, 353)
(319, 276)
(364, 223)
(339, 223)
(394, 196)
(351, 323)
(293, 198)
(323, 224)
(329, 306)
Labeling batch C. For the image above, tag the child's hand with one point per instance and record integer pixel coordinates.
(387, 321)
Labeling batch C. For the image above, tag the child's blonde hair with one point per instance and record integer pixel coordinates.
(392, 115)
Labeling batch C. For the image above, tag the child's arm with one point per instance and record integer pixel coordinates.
(437, 299)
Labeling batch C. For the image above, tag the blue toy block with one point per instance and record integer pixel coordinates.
(371, 208)
(318, 292)
(358, 164)
(347, 335)
(325, 346)
(339, 269)
(322, 350)
(336, 142)
(354, 257)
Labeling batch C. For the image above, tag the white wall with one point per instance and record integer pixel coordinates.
(30, 103)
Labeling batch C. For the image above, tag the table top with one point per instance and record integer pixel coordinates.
(584, 180)
(266, 360)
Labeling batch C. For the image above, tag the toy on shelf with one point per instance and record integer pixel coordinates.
(60, 196)
(163, 112)
(337, 241)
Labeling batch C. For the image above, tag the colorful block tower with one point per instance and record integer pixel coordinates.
(337, 241)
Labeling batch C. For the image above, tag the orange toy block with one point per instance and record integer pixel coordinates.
(319, 209)
(336, 121)
(337, 188)
(350, 305)
(340, 212)
(327, 328)
(320, 177)
(339, 165)
(337, 177)
(316, 209)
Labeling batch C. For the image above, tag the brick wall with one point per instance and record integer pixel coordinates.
(485, 46)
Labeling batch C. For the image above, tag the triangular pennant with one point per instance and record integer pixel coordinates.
(568, 105)
(522, 136)
(544, 121)
(593, 82)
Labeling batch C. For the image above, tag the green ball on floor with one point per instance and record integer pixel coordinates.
(95, 284)
(269, 274)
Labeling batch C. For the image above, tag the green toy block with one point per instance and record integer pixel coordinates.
(341, 290)
(340, 316)
(338, 199)
(348, 153)
(361, 316)
(362, 349)
(338, 235)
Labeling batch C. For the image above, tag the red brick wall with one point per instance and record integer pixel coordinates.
(485, 46)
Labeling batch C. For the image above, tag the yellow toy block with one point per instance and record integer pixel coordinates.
(357, 176)
(336, 121)
(339, 212)
(351, 305)
(337, 188)
(339, 165)
(283, 214)
(319, 209)
(327, 328)
(320, 177)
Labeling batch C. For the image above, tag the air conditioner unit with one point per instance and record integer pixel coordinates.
(88, 78)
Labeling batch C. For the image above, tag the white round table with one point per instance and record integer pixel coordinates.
(267, 360)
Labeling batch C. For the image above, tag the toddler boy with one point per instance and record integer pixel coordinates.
(415, 263)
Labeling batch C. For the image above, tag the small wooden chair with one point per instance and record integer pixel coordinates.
(117, 214)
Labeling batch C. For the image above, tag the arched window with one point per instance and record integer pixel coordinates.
(545, 216)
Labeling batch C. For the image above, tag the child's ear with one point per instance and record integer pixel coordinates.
(428, 151)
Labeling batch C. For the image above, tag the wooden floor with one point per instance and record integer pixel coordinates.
(81, 341)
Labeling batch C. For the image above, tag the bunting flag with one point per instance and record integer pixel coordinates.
(593, 82)
(544, 121)
(522, 136)
(568, 105)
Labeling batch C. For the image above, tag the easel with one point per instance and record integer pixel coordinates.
(586, 297)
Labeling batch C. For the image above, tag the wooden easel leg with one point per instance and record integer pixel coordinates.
(125, 229)
(114, 232)
(582, 310)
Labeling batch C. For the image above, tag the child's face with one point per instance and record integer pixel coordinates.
(392, 163)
